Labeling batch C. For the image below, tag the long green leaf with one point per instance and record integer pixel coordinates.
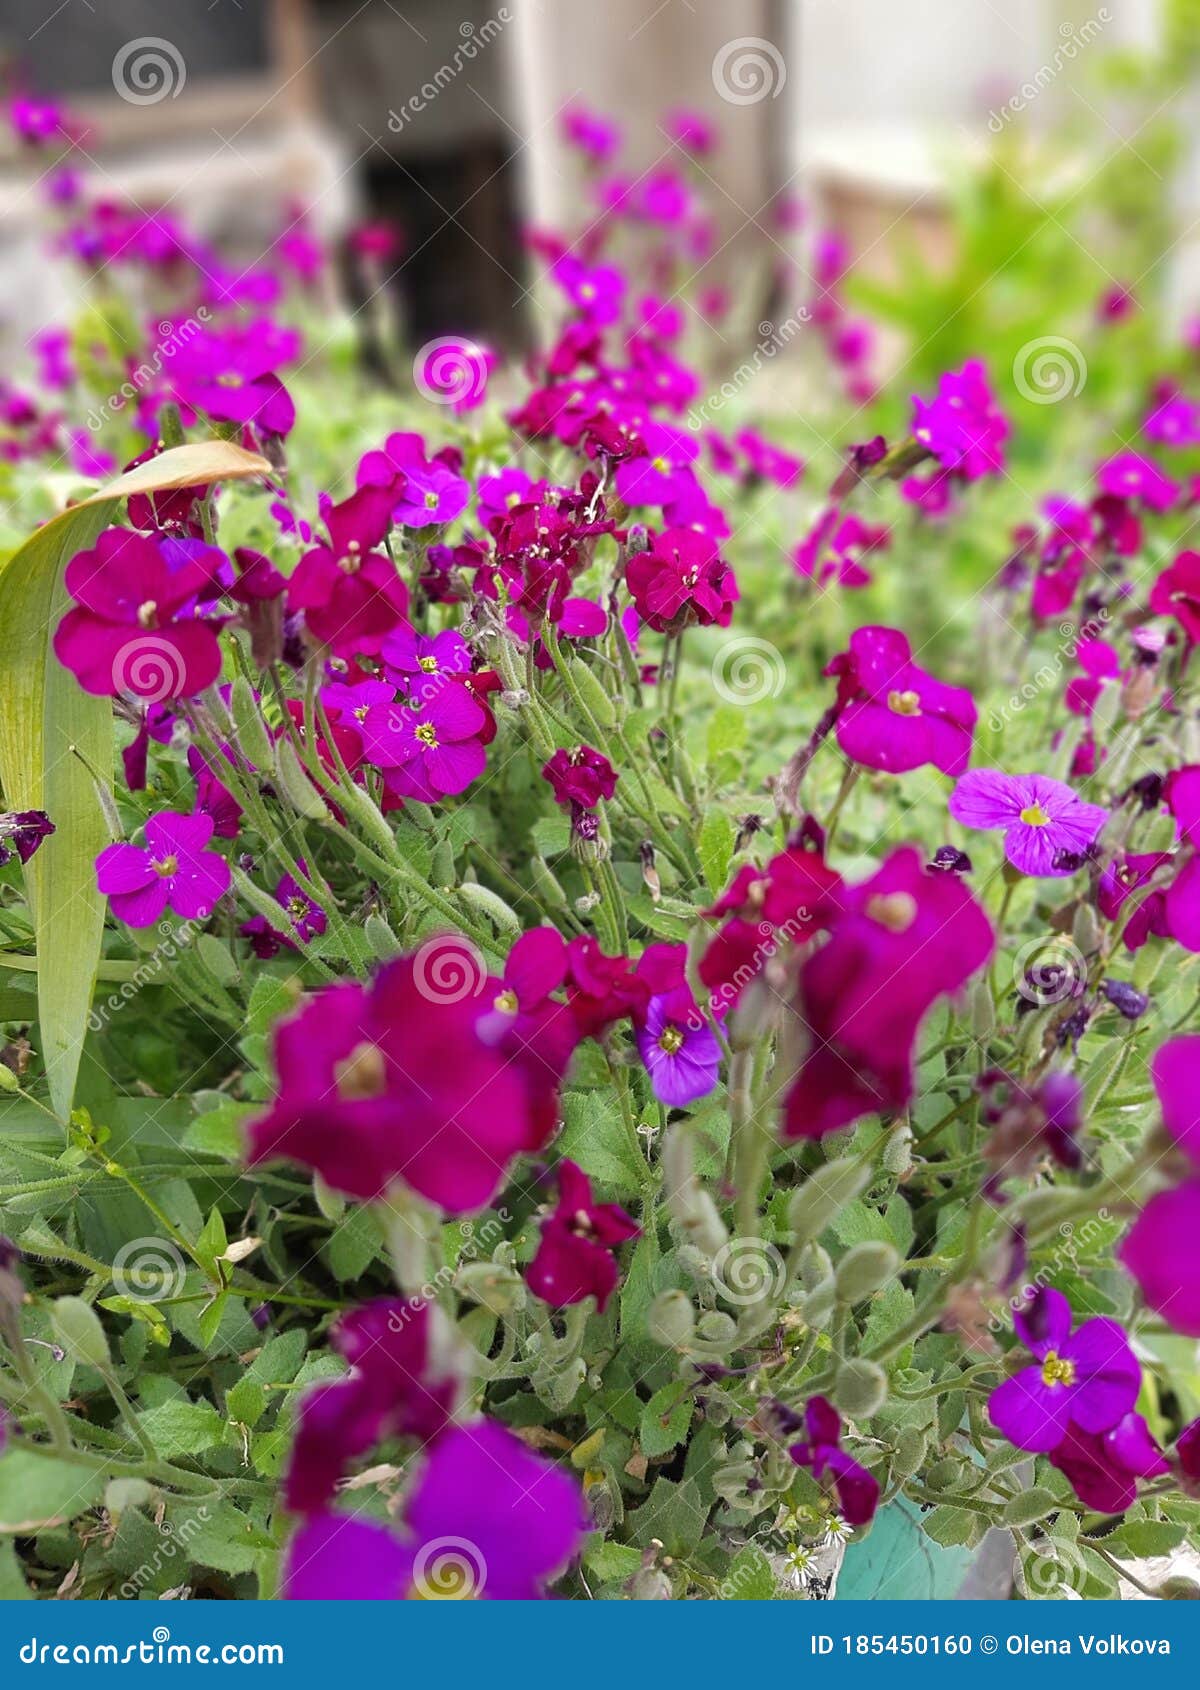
(53, 735)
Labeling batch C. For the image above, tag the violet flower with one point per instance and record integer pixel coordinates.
(487, 1518)
(1040, 817)
(1162, 1248)
(23, 831)
(1087, 1380)
(172, 870)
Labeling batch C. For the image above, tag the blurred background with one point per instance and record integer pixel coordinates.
(936, 145)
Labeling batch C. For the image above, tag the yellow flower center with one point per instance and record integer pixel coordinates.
(147, 611)
(670, 1041)
(363, 1074)
(1057, 1370)
(429, 664)
(431, 501)
(165, 866)
(894, 910)
(904, 703)
(505, 1002)
(427, 734)
(1035, 816)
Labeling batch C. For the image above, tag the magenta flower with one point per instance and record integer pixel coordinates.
(401, 1385)
(487, 1518)
(416, 661)
(596, 292)
(351, 595)
(172, 870)
(1162, 1249)
(897, 943)
(575, 1257)
(1041, 818)
(23, 831)
(1131, 476)
(894, 716)
(229, 374)
(962, 425)
(1103, 1467)
(1087, 1380)
(821, 1452)
(304, 921)
(580, 778)
(133, 627)
(428, 748)
(1174, 420)
(1176, 593)
(681, 579)
(397, 1081)
(431, 494)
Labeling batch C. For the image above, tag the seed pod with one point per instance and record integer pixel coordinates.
(78, 1328)
(817, 1306)
(824, 1195)
(716, 1327)
(299, 791)
(596, 701)
(671, 1320)
(864, 1269)
(815, 1267)
(382, 942)
(897, 1152)
(860, 1388)
(911, 1444)
(254, 741)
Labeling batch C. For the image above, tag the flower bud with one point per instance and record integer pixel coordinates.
(382, 942)
(297, 788)
(897, 1152)
(911, 1444)
(824, 1195)
(815, 1267)
(945, 1475)
(1028, 1506)
(817, 1305)
(1085, 929)
(860, 1388)
(716, 1327)
(254, 742)
(864, 1269)
(78, 1328)
(704, 1227)
(499, 1289)
(671, 1320)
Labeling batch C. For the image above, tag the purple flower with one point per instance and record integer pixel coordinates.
(1131, 476)
(415, 661)
(431, 749)
(401, 1385)
(432, 495)
(172, 869)
(596, 293)
(305, 921)
(1087, 1380)
(1040, 817)
(487, 1518)
(682, 1055)
(857, 1490)
(962, 426)
(575, 1257)
(22, 831)
(229, 374)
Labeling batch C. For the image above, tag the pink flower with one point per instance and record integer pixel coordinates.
(682, 579)
(962, 426)
(580, 778)
(893, 715)
(172, 870)
(1130, 475)
(428, 747)
(1176, 593)
(575, 1257)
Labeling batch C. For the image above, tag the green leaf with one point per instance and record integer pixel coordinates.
(183, 1428)
(37, 1492)
(353, 1245)
(749, 1578)
(1145, 1538)
(672, 1513)
(612, 1562)
(56, 743)
(715, 847)
(595, 1136)
(246, 1402)
(665, 1419)
(12, 1583)
(212, 1243)
(217, 1535)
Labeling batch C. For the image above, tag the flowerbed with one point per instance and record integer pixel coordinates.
(558, 1042)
